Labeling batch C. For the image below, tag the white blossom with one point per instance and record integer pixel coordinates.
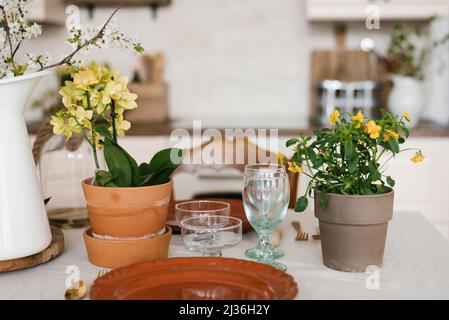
(14, 29)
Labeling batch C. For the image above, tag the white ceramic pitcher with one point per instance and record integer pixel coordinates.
(24, 227)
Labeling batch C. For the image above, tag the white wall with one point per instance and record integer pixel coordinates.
(226, 59)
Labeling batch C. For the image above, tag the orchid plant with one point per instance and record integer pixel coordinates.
(95, 101)
(15, 30)
(349, 158)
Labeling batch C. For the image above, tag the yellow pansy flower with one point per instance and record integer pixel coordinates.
(280, 158)
(373, 129)
(121, 125)
(390, 134)
(84, 79)
(293, 167)
(359, 118)
(418, 157)
(406, 116)
(334, 117)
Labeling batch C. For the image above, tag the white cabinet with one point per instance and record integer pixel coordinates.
(359, 10)
(47, 11)
(424, 187)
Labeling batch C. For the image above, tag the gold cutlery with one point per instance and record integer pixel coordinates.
(77, 292)
(79, 289)
(317, 236)
(102, 272)
(300, 236)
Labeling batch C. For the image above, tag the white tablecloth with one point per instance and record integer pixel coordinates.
(416, 265)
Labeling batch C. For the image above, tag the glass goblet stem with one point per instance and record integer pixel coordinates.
(265, 247)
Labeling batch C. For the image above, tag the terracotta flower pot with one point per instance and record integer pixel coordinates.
(353, 229)
(127, 212)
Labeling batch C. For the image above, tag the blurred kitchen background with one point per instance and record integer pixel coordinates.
(281, 64)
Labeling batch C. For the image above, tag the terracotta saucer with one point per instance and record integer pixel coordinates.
(119, 253)
(197, 278)
(237, 211)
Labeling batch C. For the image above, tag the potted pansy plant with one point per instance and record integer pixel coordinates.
(20, 72)
(353, 198)
(124, 200)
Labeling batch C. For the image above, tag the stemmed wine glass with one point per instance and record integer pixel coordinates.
(266, 195)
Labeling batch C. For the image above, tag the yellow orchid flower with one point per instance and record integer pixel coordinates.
(390, 134)
(406, 116)
(359, 118)
(60, 126)
(418, 157)
(293, 167)
(81, 114)
(96, 138)
(70, 94)
(127, 101)
(121, 125)
(280, 158)
(334, 117)
(373, 129)
(101, 73)
(84, 79)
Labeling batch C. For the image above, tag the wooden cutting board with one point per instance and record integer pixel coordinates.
(347, 65)
(54, 249)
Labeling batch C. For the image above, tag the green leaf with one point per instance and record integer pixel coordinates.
(374, 172)
(102, 129)
(301, 204)
(144, 180)
(405, 130)
(160, 167)
(118, 164)
(162, 176)
(104, 179)
(353, 165)
(348, 149)
(144, 169)
(163, 159)
(316, 161)
(291, 142)
(297, 157)
(393, 145)
(390, 181)
(324, 198)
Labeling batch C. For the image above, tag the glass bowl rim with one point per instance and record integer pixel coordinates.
(235, 226)
(227, 206)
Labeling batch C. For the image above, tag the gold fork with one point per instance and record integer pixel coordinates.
(102, 272)
(317, 236)
(300, 236)
(79, 289)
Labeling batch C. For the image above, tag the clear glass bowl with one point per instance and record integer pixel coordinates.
(189, 209)
(211, 234)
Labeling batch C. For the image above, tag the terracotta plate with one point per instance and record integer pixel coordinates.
(197, 278)
(237, 211)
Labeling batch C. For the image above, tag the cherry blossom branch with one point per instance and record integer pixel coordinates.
(8, 34)
(99, 35)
